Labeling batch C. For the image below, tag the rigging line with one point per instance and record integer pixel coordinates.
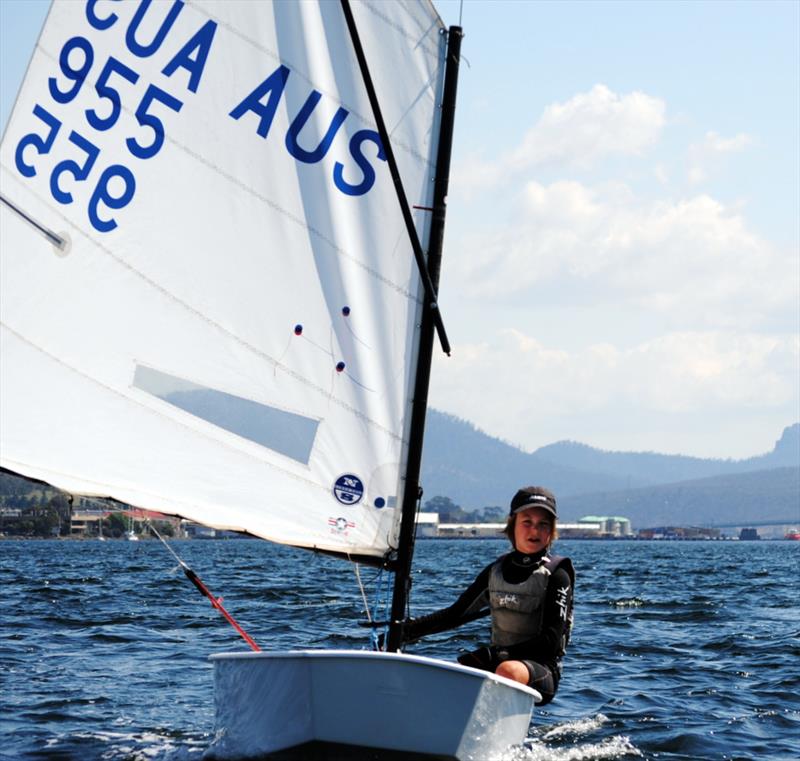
(405, 209)
(216, 602)
(363, 593)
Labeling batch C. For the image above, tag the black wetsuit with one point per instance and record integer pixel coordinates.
(541, 653)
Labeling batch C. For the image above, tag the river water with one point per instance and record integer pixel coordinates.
(681, 650)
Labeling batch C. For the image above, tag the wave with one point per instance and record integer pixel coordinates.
(618, 746)
(579, 727)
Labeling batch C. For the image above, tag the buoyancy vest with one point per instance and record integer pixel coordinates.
(518, 609)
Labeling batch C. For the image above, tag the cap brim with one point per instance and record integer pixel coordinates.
(533, 505)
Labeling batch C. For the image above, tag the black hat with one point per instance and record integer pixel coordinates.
(533, 496)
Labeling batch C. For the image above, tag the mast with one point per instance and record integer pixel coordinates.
(431, 317)
(411, 493)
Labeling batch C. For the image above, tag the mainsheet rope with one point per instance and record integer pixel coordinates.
(216, 602)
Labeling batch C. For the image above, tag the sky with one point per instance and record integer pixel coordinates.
(622, 252)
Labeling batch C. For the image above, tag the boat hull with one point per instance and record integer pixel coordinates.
(270, 703)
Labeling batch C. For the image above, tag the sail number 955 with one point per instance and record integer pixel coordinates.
(79, 171)
(115, 185)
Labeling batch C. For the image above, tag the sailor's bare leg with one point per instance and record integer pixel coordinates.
(515, 670)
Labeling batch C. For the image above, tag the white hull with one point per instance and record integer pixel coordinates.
(269, 702)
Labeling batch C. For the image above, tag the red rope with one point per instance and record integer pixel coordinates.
(216, 602)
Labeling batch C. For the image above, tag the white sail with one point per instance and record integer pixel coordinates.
(209, 301)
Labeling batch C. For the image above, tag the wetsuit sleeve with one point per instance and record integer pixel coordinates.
(545, 647)
(473, 603)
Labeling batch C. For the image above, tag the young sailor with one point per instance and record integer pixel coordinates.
(528, 593)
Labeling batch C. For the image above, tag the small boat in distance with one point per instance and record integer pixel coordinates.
(793, 535)
(130, 534)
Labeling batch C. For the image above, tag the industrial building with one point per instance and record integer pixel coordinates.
(606, 526)
(589, 527)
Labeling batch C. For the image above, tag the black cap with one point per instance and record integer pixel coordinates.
(533, 496)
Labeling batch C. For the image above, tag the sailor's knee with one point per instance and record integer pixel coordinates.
(515, 670)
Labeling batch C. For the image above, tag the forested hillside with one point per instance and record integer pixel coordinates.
(753, 497)
(476, 470)
(643, 468)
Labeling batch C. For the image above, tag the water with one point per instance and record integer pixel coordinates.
(681, 650)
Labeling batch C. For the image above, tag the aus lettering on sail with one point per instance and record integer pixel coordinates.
(76, 140)
(263, 102)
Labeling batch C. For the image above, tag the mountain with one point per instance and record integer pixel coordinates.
(476, 470)
(752, 497)
(647, 468)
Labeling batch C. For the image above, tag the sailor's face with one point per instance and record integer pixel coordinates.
(532, 530)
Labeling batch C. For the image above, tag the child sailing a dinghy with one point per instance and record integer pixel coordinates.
(528, 593)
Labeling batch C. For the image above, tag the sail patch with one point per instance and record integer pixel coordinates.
(348, 489)
(287, 433)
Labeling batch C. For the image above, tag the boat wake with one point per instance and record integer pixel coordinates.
(610, 748)
(139, 746)
(565, 742)
(579, 727)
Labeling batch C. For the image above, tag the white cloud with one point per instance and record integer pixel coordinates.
(591, 126)
(661, 174)
(579, 133)
(696, 175)
(708, 156)
(519, 386)
(715, 143)
(692, 260)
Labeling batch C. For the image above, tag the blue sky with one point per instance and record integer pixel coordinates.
(622, 258)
